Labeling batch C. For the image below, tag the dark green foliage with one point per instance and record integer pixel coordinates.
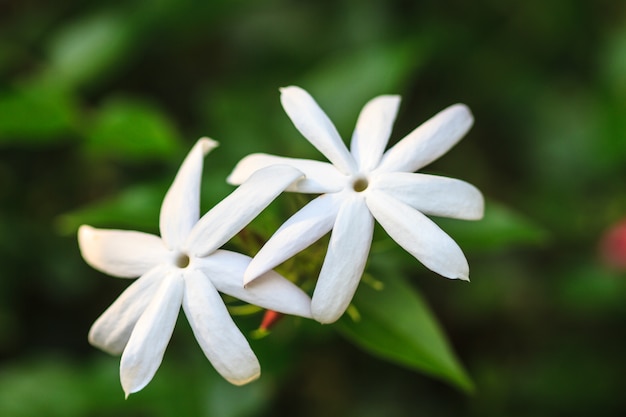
(99, 101)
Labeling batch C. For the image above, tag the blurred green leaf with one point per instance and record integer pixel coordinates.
(343, 85)
(55, 386)
(10, 54)
(227, 400)
(395, 323)
(500, 228)
(135, 130)
(591, 290)
(89, 48)
(135, 208)
(613, 63)
(33, 389)
(36, 114)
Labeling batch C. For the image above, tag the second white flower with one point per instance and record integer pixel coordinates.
(363, 184)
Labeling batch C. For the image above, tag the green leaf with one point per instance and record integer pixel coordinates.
(501, 227)
(136, 208)
(131, 129)
(359, 77)
(89, 48)
(36, 114)
(57, 386)
(396, 324)
(613, 62)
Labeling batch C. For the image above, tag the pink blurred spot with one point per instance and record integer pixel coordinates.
(613, 246)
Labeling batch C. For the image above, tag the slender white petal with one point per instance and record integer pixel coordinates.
(113, 328)
(372, 131)
(181, 206)
(120, 253)
(309, 224)
(316, 127)
(429, 141)
(271, 290)
(418, 235)
(237, 210)
(433, 195)
(220, 339)
(345, 261)
(144, 352)
(319, 177)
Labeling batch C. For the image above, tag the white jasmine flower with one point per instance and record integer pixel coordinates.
(186, 267)
(363, 184)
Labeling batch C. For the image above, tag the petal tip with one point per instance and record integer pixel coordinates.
(247, 380)
(393, 99)
(131, 382)
(293, 92)
(129, 390)
(480, 209)
(464, 277)
(84, 232)
(207, 144)
(479, 215)
(324, 317)
(464, 111)
(86, 237)
(325, 314)
(254, 270)
(249, 277)
(288, 89)
(477, 210)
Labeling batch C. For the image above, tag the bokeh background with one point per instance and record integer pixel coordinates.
(100, 101)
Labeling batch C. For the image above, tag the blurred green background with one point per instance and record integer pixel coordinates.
(100, 101)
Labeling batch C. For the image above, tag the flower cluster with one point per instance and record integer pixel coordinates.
(186, 266)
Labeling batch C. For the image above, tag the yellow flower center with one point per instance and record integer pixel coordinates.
(181, 260)
(360, 184)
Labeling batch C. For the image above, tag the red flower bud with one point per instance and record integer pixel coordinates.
(270, 319)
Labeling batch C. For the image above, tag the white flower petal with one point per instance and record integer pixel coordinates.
(181, 206)
(113, 328)
(316, 127)
(345, 261)
(372, 131)
(234, 212)
(271, 290)
(144, 352)
(120, 253)
(220, 339)
(429, 141)
(433, 195)
(319, 177)
(418, 235)
(306, 226)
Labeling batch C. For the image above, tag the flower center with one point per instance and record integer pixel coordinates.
(181, 260)
(360, 184)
